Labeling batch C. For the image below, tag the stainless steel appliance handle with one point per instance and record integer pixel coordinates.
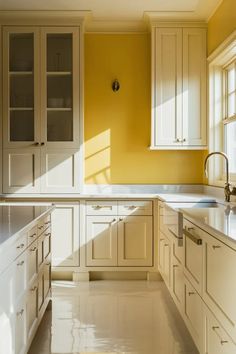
(193, 238)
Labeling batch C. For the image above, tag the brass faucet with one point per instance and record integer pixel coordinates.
(228, 192)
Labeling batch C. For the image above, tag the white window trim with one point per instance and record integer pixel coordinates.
(217, 60)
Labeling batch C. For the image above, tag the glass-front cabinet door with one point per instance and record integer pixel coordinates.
(21, 87)
(60, 87)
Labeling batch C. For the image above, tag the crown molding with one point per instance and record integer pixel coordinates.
(94, 25)
(43, 17)
(224, 51)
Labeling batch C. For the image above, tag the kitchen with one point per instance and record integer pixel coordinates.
(107, 118)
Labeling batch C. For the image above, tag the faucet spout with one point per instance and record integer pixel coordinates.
(227, 190)
(226, 163)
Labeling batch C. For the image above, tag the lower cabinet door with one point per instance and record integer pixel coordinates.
(193, 313)
(216, 340)
(47, 279)
(21, 170)
(65, 235)
(32, 308)
(20, 328)
(135, 241)
(101, 240)
(177, 283)
(40, 289)
(164, 257)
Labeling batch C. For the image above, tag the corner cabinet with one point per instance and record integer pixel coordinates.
(178, 88)
(41, 109)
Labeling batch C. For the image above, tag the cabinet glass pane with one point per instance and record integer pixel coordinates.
(59, 87)
(21, 86)
(59, 52)
(21, 52)
(22, 125)
(59, 126)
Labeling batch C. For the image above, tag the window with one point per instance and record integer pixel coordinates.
(222, 109)
(229, 120)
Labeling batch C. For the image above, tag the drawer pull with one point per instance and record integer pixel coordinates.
(21, 263)
(215, 247)
(96, 207)
(33, 249)
(20, 313)
(34, 288)
(40, 227)
(113, 220)
(120, 219)
(20, 246)
(193, 238)
(215, 327)
(47, 222)
(166, 244)
(223, 342)
(32, 235)
(175, 265)
(191, 293)
(131, 207)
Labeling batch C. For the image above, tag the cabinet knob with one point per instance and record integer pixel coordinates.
(36, 143)
(20, 246)
(177, 140)
(42, 144)
(32, 235)
(120, 219)
(20, 263)
(20, 313)
(113, 220)
(34, 288)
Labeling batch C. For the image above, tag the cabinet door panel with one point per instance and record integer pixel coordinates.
(20, 328)
(101, 238)
(60, 89)
(177, 279)
(135, 241)
(193, 313)
(21, 89)
(167, 81)
(65, 236)
(21, 171)
(32, 308)
(60, 171)
(194, 86)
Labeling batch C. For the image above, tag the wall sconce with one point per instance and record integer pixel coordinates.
(115, 85)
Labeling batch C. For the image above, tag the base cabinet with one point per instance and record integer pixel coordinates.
(216, 340)
(65, 235)
(119, 234)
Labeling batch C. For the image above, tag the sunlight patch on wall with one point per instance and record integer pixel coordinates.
(98, 158)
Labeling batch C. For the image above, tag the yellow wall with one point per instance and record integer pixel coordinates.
(117, 125)
(221, 24)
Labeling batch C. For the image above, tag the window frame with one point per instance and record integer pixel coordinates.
(219, 61)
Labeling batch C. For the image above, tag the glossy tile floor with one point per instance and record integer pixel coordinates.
(108, 317)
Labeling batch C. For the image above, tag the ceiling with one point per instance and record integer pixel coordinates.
(122, 10)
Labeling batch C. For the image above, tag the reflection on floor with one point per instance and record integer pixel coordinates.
(109, 317)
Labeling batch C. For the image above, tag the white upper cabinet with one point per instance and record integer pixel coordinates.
(41, 109)
(41, 97)
(178, 88)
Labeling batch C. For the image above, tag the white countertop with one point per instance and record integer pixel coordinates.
(15, 218)
(221, 220)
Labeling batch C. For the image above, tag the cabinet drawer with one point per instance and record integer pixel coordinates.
(193, 313)
(20, 275)
(216, 339)
(177, 283)
(8, 254)
(193, 254)
(135, 207)
(99, 207)
(32, 308)
(32, 235)
(219, 284)
(32, 263)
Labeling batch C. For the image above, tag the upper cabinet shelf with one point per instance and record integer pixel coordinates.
(178, 88)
